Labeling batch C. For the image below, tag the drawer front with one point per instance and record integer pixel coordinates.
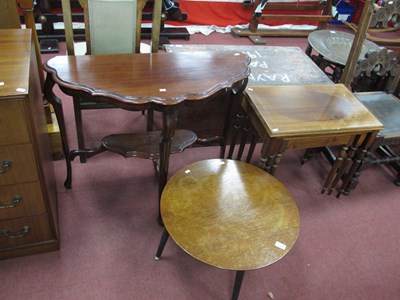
(24, 231)
(17, 165)
(21, 200)
(318, 141)
(13, 124)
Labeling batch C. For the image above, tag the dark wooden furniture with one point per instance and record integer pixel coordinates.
(165, 32)
(27, 9)
(48, 13)
(9, 17)
(356, 48)
(163, 82)
(310, 116)
(386, 107)
(128, 41)
(342, 51)
(388, 12)
(376, 75)
(294, 13)
(28, 209)
(380, 70)
(230, 215)
(69, 34)
(377, 71)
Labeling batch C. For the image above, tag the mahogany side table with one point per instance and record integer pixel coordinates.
(136, 82)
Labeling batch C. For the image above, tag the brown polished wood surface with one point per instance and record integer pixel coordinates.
(311, 116)
(159, 81)
(14, 61)
(162, 78)
(9, 17)
(310, 110)
(229, 214)
(146, 144)
(28, 204)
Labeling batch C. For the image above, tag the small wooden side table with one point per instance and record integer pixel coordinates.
(162, 82)
(311, 116)
(230, 215)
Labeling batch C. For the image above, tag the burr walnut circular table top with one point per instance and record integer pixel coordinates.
(230, 214)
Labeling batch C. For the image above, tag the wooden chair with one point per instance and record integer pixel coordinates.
(382, 68)
(375, 81)
(10, 18)
(104, 34)
(378, 70)
(135, 18)
(389, 12)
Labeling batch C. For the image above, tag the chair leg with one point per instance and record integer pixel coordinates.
(253, 142)
(396, 167)
(238, 284)
(156, 167)
(307, 155)
(234, 133)
(397, 180)
(245, 132)
(308, 50)
(163, 241)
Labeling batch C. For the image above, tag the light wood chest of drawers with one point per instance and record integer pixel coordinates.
(28, 207)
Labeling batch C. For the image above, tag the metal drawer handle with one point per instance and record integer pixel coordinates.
(4, 166)
(8, 235)
(15, 200)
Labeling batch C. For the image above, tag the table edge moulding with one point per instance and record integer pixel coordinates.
(115, 91)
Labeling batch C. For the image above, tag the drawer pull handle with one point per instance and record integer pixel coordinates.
(4, 166)
(7, 234)
(15, 200)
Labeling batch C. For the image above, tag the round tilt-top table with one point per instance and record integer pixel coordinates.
(230, 215)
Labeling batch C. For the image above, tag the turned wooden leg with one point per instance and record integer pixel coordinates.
(341, 173)
(335, 167)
